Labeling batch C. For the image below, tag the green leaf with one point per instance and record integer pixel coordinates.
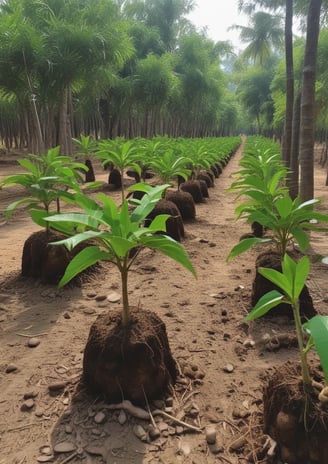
(301, 238)
(245, 245)
(83, 260)
(27, 201)
(120, 246)
(266, 302)
(318, 327)
(301, 273)
(284, 206)
(77, 218)
(72, 242)
(279, 279)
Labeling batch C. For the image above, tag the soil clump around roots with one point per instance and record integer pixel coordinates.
(129, 362)
(300, 427)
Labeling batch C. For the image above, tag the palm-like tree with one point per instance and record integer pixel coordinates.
(263, 35)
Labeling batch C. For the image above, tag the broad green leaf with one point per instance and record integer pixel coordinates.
(284, 206)
(318, 327)
(158, 224)
(170, 248)
(27, 201)
(278, 279)
(120, 246)
(266, 302)
(301, 237)
(301, 273)
(72, 242)
(125, 222)
(83, 260)
(245, 245)
(78, 218)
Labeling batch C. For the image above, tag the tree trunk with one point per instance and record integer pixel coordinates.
(308, 102)
(289, 83)
(65, 136)
(293, 177)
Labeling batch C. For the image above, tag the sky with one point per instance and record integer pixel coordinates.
(218, 16)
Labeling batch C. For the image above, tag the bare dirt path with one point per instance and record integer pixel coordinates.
(222, 368)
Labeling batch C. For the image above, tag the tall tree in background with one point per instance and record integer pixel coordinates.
(263, 35)
(307, 123)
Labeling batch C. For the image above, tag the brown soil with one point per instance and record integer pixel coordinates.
(222, 361)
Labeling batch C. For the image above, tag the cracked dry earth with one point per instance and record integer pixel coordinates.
(44, 417)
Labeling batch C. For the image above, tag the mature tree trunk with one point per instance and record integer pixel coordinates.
(308, 102)
(65, 136)
(293, 178)
(289, 82)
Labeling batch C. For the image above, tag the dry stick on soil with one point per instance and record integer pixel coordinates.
(31, 336)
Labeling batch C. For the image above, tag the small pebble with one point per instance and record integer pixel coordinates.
(11, 368)
(140, 432)
(101, 297)
(64, 447)
(114, 297)
(53, 387)
(45, 458)
(100, 417)
(228, 368)
(27, 405)
(68, 429)
(210, 433)
(122, 417)
(33, 342)
(29, 395)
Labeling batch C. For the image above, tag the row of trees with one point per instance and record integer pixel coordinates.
(110, 68)
(294, 94)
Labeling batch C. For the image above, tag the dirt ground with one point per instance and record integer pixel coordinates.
(222, 360)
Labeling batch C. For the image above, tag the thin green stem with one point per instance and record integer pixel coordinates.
(301, 346)
(125, 296)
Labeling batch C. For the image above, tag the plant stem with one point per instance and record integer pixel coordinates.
(125, 297)
(300, 340)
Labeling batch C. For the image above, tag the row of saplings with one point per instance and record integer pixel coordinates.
(127, 354)
(295, 398)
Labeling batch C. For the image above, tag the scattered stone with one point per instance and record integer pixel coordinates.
(45, 450)
(122, 417)
(27, 405)
(210, 433)
(66, 315)
(228, 368)
(33, 342)
(162, 426)
(56, 386)
(45, 458)
(38, 413)
(29, 395)
(101, 297)
(68, 429)
(95, 451)
(100, 417)
(140, 432)
(91, 295)
(154, 432)
(64, 447)
(89, 311)
(179, 430)
(114, 297)
(249, 343)
(11, 368)
(184, 449)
